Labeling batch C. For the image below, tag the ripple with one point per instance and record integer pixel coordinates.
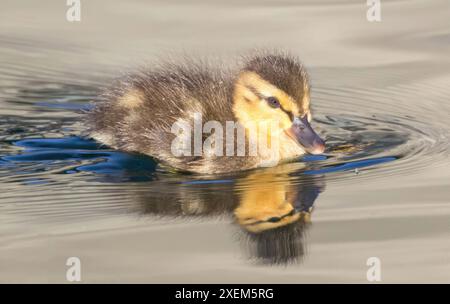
(50, 173)
(377, 131)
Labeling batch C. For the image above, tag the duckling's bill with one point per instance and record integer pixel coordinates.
(302, 132)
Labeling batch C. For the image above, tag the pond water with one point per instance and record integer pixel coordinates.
(380, 98)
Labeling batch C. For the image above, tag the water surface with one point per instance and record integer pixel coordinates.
(380, 99)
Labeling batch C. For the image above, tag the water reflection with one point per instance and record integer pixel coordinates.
(275, 212)
(271, 208)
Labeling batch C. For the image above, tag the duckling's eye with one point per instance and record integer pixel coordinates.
(273, 102)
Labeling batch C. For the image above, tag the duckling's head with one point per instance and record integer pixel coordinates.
(274, 89)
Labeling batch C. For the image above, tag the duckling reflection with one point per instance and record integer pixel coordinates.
(274, 215)
(270, 208)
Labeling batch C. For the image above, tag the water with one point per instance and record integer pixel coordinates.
(381, 189)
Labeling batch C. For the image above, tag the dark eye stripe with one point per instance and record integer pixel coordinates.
(260, 96)
(291, 116)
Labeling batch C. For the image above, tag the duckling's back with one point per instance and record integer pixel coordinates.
(138, 113)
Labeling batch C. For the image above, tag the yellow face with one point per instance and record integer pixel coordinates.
(258, 101)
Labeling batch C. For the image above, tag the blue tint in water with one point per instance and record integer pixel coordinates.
(122, 167)
(38, 155)
(67, 143)
(115, 166)
(312, 158)
(351, 165)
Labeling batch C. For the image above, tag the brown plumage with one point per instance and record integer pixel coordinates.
(138, 113)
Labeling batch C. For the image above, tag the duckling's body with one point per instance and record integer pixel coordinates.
(140, 113)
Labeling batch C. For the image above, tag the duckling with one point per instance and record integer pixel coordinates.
(139, 114)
